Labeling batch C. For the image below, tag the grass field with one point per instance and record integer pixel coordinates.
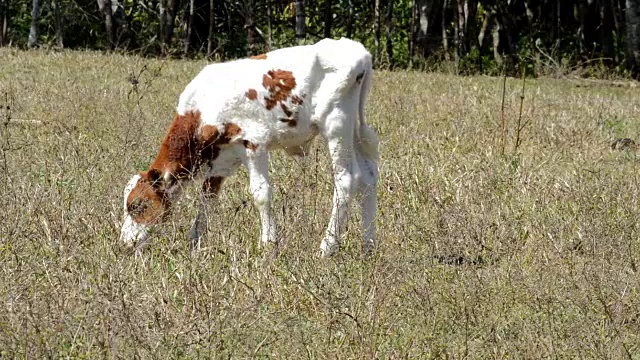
(530, 254)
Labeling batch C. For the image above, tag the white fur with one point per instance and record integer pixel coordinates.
(132, 232)
(333, 79)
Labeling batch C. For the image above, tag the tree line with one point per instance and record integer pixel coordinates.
(474, 36)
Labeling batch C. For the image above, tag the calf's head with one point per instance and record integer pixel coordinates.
(145, 204)
(187, 145)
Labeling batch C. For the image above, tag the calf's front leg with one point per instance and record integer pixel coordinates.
(258, 168)
(210, 190)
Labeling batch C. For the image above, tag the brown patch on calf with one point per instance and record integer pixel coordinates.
(178, 149)
(290, 122)
(231, 130)
(184, 149)
(286, 109)
(182, 152)
(208, 134)
(251, 94)
(211, 186)
(259, 57)
(249, 145)
(269, 103)
(279, 83)
(296, 100)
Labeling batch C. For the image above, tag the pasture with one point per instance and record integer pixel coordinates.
(532, 253)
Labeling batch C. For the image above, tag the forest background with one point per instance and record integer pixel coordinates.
(597, 38)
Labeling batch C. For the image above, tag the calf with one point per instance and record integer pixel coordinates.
(234, 113)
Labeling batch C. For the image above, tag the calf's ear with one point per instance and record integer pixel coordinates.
(232, 133)
(208, 135)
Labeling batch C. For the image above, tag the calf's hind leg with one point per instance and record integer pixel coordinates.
(367, 188)
(345, 167)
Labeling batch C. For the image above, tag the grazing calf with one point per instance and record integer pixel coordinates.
(234, 113)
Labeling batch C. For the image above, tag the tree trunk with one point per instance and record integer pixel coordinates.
(389, 32)
(376, 34)
(506, 28)
(558, 24)
(168, 10)
(470, 24)
(4, 24)
(615, 9)
(211, 43)
(412, 33)
(35, 21)
(580, 11)
(57, 16)
(496, 40)
(486, 23)
(615, 16)
(301, 29)
(163, 14)
(105, 8)
(606, 30)
(200, 26)
(465, 36)
(443, 26)
(458, 35)
(425, 24)
(189, 25)
(174, 5)
(250, 26)
(421, 27)
(328, 18)
(196, 26)
(632, 15)
(350, 20)
(269, 32)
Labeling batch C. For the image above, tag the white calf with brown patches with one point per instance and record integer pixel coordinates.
(234, 113)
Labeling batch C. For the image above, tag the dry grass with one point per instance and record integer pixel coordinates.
(532, 254)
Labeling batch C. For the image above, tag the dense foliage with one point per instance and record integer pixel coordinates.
(472, 35)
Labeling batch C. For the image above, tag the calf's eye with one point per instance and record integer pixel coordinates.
(137, 207)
